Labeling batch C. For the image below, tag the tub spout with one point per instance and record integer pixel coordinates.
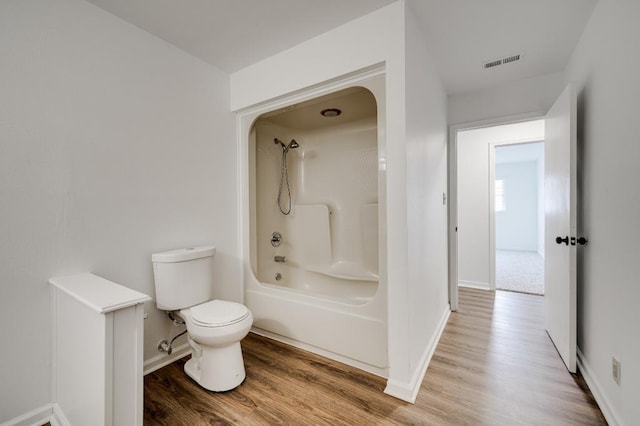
(279, 259)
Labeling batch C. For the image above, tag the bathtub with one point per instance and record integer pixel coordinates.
(330, 326)
(313, 227)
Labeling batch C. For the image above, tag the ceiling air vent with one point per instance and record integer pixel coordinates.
(493, 63)
(502, 61)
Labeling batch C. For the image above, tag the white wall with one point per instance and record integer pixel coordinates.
(426, 183)
(113, 145)
(541, 209)
(531, 154)
(377, 38)
(372, 39)
(473, 194)
(605, 67)
(535, 94)
(517, 226)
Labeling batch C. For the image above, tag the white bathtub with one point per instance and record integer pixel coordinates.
(324, 291)
(352, 333)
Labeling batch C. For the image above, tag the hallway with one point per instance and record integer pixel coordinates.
(494, 365)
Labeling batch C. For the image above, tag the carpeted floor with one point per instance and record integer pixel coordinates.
(521, 271)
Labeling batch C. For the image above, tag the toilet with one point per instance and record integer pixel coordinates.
(183, 280)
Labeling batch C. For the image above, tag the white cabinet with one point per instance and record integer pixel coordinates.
(97, 351)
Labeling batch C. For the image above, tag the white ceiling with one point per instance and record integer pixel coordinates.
(232, 34)
(461, 34)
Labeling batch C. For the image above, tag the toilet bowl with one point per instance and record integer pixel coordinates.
(184, 283)
(215, 329)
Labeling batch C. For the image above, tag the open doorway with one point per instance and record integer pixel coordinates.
(474, 207)
(518, 208)
(558, 130)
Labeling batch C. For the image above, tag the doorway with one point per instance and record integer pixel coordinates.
(518, 209)
(559, 131)
(473, 224)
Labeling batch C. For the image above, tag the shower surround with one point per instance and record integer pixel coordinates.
(314, 278)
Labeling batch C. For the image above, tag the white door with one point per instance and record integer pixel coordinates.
(560, 226)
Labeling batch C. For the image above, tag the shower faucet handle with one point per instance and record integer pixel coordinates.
(276, 239)
(279, 259)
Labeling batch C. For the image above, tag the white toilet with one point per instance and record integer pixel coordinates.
(183, 281)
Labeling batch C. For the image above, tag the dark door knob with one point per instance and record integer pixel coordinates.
(560, 240)
(582, 241)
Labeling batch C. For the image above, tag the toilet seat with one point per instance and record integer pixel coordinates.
(218, 313)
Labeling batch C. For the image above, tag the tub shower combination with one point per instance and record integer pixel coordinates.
(313, 213)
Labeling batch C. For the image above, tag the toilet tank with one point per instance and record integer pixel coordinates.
(183, 277)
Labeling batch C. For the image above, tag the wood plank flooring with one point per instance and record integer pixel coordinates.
(494, 365)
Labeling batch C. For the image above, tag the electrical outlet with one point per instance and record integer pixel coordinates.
(616, 370)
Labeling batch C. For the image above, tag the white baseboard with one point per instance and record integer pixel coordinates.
(160, 360)
(36, 417)
(607, 409)
(474, 284)
(58, 418)
(51, 413)
(409, 391)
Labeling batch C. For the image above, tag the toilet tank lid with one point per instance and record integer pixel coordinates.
(183, 254)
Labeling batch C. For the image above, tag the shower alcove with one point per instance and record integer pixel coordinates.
(314, 199)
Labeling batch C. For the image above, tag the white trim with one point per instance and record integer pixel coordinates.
(53, 344)
(313, 91)
(409, 391)
(36, 417)
(382, 372)
(51, 413)
(452, 217)
(160, 360)
(590, 378)
(475, 284)
(492, 216)
(498, 121)
(240, 200)
(58, 418)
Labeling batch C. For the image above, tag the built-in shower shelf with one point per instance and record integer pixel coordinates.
(345, 271)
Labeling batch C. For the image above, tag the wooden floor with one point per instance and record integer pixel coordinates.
(494, 365)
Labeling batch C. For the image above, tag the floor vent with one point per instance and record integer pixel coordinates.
(502, 61)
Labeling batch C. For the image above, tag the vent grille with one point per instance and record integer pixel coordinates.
(493, 63)
(502, 61)
(511, 59)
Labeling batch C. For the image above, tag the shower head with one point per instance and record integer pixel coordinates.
(285, 148)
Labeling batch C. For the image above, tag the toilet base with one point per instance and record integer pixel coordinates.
(216, 369)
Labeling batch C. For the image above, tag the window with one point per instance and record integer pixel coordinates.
(500, 199)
